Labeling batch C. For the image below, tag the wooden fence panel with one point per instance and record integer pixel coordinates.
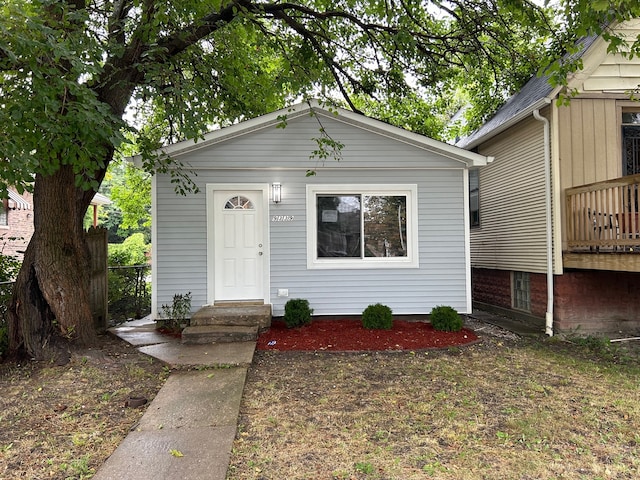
(98, 278)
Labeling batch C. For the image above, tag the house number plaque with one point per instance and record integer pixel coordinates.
(282, 218)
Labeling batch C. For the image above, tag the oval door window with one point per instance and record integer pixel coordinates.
(239, 202)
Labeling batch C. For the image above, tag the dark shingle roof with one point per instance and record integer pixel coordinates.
(524, 102)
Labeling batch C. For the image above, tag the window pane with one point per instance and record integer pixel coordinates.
(521, 291)
(4, 218)
(385, 226)
(339, 225)
(238, 202)
(474, 191)
(631, 149)
(631, 117)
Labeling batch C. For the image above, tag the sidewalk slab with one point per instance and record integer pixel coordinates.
(148, 455)
(141, 334)
(195, 413)
(211, 354)
(207, 398)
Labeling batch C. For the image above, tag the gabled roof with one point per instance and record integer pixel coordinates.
(536, 93)
(339, 114)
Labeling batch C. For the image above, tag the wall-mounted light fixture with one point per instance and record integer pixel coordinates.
(276, 192)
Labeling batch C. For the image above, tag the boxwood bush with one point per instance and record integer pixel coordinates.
(377, 317)
(445, 319)
(297, 313)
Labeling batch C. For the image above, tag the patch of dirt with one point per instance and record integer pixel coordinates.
(348, 335)
(62, 422)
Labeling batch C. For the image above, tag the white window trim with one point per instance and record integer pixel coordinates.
(412, 258)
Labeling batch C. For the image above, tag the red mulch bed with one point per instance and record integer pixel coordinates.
(348, 335)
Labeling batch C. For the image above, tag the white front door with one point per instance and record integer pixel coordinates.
(238, 237)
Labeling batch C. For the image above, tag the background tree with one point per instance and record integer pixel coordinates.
(133, 197)
(71, 69)
(129, 212)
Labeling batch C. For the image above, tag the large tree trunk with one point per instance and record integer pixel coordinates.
(50, 310)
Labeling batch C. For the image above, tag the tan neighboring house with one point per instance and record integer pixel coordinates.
(555, 230)
(16, 221)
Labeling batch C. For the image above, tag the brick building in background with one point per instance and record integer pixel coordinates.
(16, 223)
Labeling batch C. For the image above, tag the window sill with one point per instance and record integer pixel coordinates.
(360, 264)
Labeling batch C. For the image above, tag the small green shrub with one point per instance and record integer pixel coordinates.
(377, 317)
(445, 319)
(9, 268)
(297, 313)
(178, 312)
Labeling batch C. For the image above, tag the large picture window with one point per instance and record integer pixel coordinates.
(361, 227)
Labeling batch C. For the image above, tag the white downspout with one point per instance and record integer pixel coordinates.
(547, 186)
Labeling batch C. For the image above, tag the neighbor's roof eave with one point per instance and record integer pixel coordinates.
(99, 199)
(18, 202)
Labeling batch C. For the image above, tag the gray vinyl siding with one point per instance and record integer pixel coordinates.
(290, 147)
(512, 231)
(268, 155)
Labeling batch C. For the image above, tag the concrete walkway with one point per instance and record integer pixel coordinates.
(188, 429)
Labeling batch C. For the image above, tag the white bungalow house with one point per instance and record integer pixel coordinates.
(554, 219)
(388, 222)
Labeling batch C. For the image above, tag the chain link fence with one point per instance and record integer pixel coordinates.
(129, 292)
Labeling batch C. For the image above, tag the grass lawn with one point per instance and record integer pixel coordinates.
(503, 409)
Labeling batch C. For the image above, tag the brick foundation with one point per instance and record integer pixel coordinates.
(584, 301)
(598, 301)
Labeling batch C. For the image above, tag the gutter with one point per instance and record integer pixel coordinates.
(547, 182)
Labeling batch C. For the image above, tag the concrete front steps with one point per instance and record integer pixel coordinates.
(227, 322)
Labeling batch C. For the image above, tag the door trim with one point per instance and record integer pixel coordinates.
(211, 270)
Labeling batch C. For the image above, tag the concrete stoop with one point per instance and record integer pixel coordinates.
(219, 334)
(227, 322)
